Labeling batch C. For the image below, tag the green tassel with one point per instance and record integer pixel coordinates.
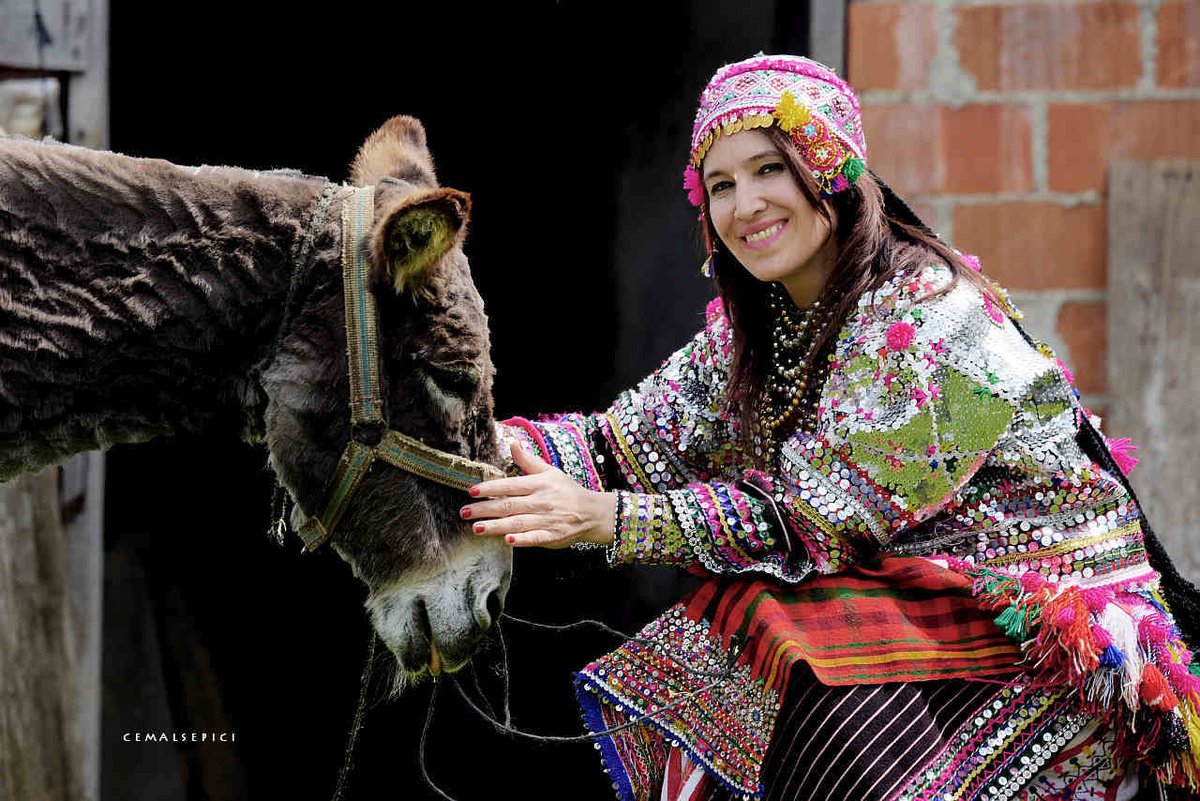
(1012, 621)
(853, 168)
(1194, 668)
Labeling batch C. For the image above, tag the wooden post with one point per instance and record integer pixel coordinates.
(1154, 341)
(51, 536)
(40, 743)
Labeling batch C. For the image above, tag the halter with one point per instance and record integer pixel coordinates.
(370, 437)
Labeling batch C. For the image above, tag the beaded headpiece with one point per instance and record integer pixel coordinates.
(806, 99)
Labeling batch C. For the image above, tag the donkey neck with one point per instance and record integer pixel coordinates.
(137, 297)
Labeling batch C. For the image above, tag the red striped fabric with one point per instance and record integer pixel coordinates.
(898, 619)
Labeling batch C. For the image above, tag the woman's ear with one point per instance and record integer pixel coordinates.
(412, 234)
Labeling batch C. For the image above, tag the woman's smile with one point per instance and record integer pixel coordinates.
(764, 236)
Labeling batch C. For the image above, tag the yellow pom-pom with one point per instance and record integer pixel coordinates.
(790, 113)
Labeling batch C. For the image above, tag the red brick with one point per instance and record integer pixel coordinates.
(937, 150)
(1084, 327)
(1050, 45)
(1036, 245)
(1179, 44)
(1085, 137)
(891, 45)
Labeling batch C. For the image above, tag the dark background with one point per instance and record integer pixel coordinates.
(568, 122)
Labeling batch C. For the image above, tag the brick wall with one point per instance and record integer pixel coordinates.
(998, 120)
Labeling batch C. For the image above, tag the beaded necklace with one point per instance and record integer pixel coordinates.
(794, 335)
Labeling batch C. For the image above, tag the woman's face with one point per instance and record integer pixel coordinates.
(762, 216)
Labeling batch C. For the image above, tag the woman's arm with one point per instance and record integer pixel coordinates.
(917, 399)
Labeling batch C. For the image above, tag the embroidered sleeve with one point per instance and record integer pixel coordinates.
(715, 527)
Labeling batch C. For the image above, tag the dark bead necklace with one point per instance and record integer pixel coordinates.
(794, 335)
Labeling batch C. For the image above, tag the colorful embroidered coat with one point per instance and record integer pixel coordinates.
(951, 524)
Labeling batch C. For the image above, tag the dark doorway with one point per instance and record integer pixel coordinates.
(568, 122)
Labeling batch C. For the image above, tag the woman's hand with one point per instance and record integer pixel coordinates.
(543, 507)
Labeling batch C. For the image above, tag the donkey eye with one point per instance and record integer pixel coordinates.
(461, 379)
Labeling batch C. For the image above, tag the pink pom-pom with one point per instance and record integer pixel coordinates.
(900, 336)
(714, 309)
(1154, 629)
(1097, 598)
(1122, 452)
(1065, 618)
(1032, 581)
(972, 261)
(1101, 637)
(1181, 679)
(694, 186)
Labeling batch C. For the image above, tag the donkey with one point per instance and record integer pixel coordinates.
(139, 298)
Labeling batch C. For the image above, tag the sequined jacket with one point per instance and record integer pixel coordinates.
(939, 431)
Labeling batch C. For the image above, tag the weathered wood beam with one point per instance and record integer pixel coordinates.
(1154, 341)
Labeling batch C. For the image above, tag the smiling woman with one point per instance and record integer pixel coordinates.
(766, 212)
(925, 574)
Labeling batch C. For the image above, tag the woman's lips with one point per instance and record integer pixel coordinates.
(764, 237)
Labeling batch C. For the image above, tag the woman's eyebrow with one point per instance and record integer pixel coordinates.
(766, 154)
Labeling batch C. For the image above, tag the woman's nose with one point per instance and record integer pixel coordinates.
(748, 202)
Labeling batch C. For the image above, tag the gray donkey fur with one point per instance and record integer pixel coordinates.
(140, 299)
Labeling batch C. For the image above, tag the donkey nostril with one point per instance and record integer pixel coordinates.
(423, 624)
(494, 605)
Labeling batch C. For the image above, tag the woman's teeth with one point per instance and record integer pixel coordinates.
(765, 233)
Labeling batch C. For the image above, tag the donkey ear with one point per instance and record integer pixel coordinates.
(396, 150)
(413, 233)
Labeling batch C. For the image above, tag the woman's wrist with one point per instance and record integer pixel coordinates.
(603, 516)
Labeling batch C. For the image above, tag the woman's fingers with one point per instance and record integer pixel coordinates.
(502, 507)
(529, 462)
(537, 537)
(515, 524)
(501, 487)
(530, 465)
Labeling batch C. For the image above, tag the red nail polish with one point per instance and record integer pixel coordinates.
(465, 512)
(478, 528)
(511, 539)
(473, 492)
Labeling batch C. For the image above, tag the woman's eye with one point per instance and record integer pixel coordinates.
(719, 186)
(774, 166)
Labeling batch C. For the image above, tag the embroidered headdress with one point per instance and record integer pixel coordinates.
(806, 99)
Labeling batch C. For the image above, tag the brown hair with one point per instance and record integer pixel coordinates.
(875, 242)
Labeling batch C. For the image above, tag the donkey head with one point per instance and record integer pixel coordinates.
(434, 588)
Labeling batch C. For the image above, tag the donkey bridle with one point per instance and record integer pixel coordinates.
(370, 437)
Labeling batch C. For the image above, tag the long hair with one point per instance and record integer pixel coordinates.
(877, 238)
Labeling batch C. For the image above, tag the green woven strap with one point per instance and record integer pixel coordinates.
(362, 329)
(352, 468)
(448, 469)
(366, 390)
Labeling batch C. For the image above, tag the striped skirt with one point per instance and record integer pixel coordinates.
(943, 740)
